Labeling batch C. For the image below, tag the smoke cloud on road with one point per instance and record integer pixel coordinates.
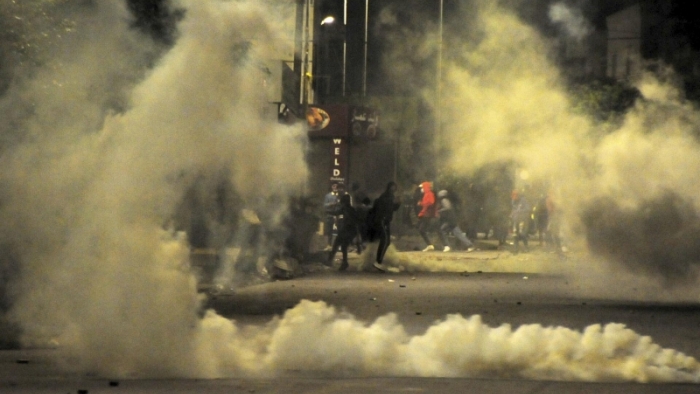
(314, 337)
(109, 141)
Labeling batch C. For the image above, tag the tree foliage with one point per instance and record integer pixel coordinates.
(604, 100)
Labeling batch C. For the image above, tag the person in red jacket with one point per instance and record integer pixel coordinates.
(427, 214)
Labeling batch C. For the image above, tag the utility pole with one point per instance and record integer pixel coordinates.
(306, 72)
(364, 64)
(438, 101)
(299, 49)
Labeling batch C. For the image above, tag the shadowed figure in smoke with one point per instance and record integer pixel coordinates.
(379, 220)
(347, 230)
(659, 238)
(520, 218)
(448, 223)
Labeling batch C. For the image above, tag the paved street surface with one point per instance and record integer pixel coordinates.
(537, 287)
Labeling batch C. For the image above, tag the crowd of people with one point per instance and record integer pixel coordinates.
(357, 220)
(353, 219)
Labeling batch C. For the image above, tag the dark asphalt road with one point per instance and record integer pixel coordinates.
(535, 294)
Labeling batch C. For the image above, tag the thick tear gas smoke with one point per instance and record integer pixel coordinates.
(571, 20)
(87, 190)
(335, 343)
(505, 101)
(88, 186)
(659, 238)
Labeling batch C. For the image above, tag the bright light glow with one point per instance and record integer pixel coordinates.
(327, 20)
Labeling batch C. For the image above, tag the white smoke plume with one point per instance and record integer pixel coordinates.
(571, 19)
(315, 337)
(86, 193)
(504, 100)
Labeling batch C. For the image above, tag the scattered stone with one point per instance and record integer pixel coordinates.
(419, 313)
(286, 268)
(402, 285)
(520, 303)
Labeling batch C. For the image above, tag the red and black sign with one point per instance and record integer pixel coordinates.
(341, 120)
(328, 121)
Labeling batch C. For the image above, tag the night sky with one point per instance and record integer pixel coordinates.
(422, 15)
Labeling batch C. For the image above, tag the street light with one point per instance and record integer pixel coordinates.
(329, 20)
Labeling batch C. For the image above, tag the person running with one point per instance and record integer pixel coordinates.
(448, 223)
(427, 214)
(381, 215)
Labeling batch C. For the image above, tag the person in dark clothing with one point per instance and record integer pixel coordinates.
(541, 216)
(362, 204)
(347, 231)
(362, 211)
(520, 217)
(448, 223)
(417, 197)
(383, 213)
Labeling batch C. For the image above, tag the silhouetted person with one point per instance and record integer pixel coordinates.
(541, 216)
(520, 215)
(448, 223)
(347, 230)
(381, 215)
